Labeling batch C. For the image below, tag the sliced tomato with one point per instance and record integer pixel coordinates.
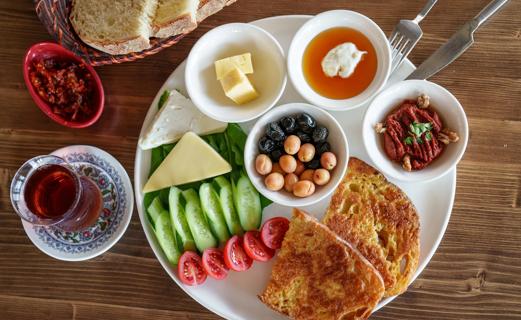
(234, 256)
(273, 232)
(213, 263)
(254, 247)
(190, 269)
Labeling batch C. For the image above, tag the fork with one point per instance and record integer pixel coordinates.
(406, 35)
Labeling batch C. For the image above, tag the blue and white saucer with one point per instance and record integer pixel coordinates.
(118, 204)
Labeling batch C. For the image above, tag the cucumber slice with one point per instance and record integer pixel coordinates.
(155, 209)
(247, 203)
(178, 217)
(213, 211)
(166, 237)
(197, 222)
(229, 212)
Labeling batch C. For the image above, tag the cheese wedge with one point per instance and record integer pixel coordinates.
(192, 159)
(242, 61)
(178, 116)
(238, 87)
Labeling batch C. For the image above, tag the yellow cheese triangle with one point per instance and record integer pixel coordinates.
(192, 159)
(242, 61)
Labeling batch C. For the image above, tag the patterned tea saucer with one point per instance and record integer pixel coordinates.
(118, 204)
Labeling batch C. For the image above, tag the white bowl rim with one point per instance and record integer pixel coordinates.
(417, 176)
(289, 200)
(197, 46)
(333, 104)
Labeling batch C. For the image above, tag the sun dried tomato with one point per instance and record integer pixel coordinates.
(66, 86)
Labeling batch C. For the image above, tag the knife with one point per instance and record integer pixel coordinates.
(456, 45)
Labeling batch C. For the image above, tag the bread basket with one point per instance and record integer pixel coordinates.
(54, 14)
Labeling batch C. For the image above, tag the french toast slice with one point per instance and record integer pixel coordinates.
(380, 221)
(318, 276)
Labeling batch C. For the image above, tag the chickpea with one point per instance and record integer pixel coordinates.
(292, 144)
(306, 152)
(300, 168)
(288, 163)
(328, 160)
(274, 181)
(276, 168)
(289, 181)
(303, 188)
(307, 175)
(321, 176)
(263, 164)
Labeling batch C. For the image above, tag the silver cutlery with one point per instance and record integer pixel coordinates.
(406, 35)
(457, 44)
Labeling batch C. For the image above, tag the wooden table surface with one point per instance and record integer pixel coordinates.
(475, 274)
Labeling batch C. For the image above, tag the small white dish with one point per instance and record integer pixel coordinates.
(333, 19)
(118, 204)
(339, 147)
(269, 76)
(450, 111)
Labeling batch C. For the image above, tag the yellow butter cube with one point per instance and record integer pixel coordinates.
(242, 61)
(238, 87)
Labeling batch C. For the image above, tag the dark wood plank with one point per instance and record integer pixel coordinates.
(475, 273)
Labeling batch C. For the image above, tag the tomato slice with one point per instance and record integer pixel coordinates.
(273, 232)
(254, 247)
(213, 263)
(234, 256)
(190, 269)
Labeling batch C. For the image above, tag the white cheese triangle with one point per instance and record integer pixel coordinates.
(192, 159)
(178, 116)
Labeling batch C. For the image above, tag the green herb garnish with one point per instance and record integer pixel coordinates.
(408, 140)
(416, 130)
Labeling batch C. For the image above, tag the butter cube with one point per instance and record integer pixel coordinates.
(238, 87)
(224, 66)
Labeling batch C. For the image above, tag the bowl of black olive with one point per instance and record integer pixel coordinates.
(296, 154)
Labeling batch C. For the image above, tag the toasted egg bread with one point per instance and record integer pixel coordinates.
(319, 276)
(380, 221)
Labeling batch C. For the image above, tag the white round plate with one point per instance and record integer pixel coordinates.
(118, 204)
(236, 296)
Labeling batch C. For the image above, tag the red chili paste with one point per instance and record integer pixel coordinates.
(413, 131)
(66, 86)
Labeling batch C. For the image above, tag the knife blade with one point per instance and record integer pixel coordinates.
(456, 45)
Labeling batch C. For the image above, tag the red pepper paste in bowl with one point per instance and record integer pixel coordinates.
(66, 86)
(414, 134)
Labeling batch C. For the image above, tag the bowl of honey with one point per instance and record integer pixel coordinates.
(339, 60)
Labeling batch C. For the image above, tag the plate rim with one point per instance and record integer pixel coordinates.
(153, 243)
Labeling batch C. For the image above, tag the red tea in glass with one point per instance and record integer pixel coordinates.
(47, 191)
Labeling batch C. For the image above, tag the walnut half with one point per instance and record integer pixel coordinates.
(406, 163)
(447, 136)
(379, 127)
(423, 101)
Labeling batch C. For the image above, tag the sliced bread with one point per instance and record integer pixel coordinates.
(209, 7)
(174, 17)
(115, 27)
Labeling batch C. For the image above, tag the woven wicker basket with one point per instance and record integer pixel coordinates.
(54, 14)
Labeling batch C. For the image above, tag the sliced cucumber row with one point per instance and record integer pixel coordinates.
(205, 219)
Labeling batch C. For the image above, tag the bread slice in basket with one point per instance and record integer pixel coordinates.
(174, 17)
(115, 27)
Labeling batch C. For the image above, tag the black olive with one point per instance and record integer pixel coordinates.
(304, 137)
(275, 132)
(322, 147)
(276, 154)
(288, 124)
(313, 164)
(320, 134)
(266, 145)
(306, 122)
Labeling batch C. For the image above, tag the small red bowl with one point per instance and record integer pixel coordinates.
(47, 50)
